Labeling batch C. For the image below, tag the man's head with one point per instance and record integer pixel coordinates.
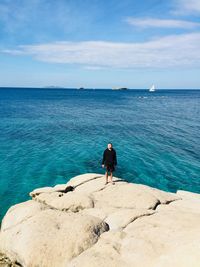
(109, 145)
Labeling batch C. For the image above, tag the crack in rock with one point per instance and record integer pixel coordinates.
(94, 178)
(140, 216)
(166, 203)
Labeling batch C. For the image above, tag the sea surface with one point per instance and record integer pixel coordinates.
(48, 136)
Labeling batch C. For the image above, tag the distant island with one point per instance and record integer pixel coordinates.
(120, 88)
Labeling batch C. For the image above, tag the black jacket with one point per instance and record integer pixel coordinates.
(109, 157)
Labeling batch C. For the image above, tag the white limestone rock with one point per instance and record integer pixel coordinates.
(121, 218)
(153, 238)
(68, 201)
(50, 238)
(188, 195)
(83, 178)
(41, 190)
(98, 225)
(20, 212)
(96, 185)
(125, 196)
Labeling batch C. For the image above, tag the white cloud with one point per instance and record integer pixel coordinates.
(161, 23)
(171, 51)
(185, 7)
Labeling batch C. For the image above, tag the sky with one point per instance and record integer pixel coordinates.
(100, 43)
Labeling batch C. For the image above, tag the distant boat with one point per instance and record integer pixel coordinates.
(152, 88)
(81, 88)
(120, 88)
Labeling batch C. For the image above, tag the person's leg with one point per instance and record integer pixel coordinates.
(111, 178)
(106, 174)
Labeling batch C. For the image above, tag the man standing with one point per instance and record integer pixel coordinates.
(109, 161)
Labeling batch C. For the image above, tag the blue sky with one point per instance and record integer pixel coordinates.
(100, 44)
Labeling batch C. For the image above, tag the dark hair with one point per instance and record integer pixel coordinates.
(110, 143)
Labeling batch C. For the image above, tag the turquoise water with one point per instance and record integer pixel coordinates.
(50, 135)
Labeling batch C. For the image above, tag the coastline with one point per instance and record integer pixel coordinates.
(87, 223)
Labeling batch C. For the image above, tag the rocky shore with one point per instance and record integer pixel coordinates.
(85, 223)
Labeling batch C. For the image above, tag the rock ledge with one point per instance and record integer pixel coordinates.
(87, 223)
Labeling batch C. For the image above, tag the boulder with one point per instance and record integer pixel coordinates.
(100, 213)
(83, 178)
(51, 238)
(162, 196)
(95, 185)
(185, 205)
(20, 212)
(63, 188)
(125, 196)
(85, 223)
(70, 201)
(106, 252)
(38, 191)
(151, 239)
(121, 218)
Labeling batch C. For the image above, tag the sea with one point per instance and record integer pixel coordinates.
(48, 136)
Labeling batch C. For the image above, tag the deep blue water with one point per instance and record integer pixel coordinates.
(48, 136)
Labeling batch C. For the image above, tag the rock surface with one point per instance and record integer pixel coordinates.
(88, 224)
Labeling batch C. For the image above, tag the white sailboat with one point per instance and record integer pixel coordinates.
(152, 88)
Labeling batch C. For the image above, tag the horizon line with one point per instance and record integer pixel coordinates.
(87, 88)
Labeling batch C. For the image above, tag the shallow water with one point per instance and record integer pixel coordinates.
(50, 135)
